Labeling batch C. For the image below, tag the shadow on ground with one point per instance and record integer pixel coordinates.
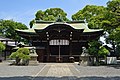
(60, 78)
(114, 66)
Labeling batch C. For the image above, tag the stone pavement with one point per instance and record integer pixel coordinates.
(59, 71)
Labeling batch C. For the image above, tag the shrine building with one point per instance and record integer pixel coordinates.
(59, 41)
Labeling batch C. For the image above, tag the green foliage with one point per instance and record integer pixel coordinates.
(118, 49)
(113, 8)
(112, 14)
(50, 14)
(103, 51)
(2, 47)
(31, 23)
(106, 24)
(93, 48)
(21, 53)
(13, 55)
(96, 49)
(115, 36)
(88, 11)
(107, 18)
(92, 13)
(8, 27)
(114, 5)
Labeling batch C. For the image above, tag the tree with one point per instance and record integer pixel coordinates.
(2, 47)
(31, 23)
(8, 27)
(118, 50)
(103, 51)
(114, 8)
(39, 15)
(21, 54)
(113, 24)
(92, 14)
(50, 14)
(112, 15)
(107, 18)
(97, 50)
(94, 48)
(116, 35)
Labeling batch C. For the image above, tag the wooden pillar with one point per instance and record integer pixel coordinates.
(16, 42)
(70, 48)
(5, 52)
(70, 43)
(30, 41)
(59, 48)
(48, 48)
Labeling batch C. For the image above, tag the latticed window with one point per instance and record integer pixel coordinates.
(59, 42)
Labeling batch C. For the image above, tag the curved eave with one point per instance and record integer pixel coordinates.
(27, 34)
(38, 30)
(92, 30)
(42, 26)
(93, 33)
(78, 26)
(29, 31)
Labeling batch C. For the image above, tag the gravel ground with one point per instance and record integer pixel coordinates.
(59, 71)
(8, 72)
(104, 71)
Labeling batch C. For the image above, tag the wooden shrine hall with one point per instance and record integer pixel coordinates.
(59, 41)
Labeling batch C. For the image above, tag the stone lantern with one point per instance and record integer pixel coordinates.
(33, 57)
(85, 58)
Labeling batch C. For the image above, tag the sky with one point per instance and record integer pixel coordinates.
(24, 10)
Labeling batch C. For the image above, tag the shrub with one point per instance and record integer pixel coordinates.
(24, 51)
(2, 47)
(103, 51)
(21, 54)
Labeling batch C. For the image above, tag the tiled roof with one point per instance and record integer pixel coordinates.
(3, 39)
(76, 26)
(10, 41)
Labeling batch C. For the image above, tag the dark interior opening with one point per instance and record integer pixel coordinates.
(64, 49)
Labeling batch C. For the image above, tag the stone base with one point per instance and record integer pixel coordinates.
(33, 60)
(85, 63)
(32, 63)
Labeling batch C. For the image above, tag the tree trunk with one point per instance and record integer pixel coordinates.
(97, 61)
(17, 60)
